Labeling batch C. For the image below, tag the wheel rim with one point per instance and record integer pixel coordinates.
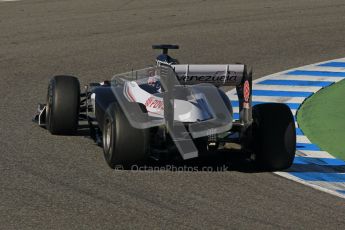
(48, 106)
(107, 136)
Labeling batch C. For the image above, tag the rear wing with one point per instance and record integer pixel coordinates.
(218, 75)
(221, 75)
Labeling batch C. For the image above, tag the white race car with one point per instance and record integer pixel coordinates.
(171, 108)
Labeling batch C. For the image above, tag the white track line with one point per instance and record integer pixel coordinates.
(237, 109)
(272, 99)
(302, 139)
(317, 185)
(315, 154)
(287, 88)
(307, 78)
(323, 68)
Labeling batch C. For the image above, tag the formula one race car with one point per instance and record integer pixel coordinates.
(171, 108)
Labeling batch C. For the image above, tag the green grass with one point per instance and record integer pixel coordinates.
(322, 119)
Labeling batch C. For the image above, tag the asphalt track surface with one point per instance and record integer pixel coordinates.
(58, 182)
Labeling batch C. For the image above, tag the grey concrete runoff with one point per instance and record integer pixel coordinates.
(63, 182)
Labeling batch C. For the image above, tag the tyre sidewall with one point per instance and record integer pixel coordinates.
(63, 101)
(129, 145)
(274, 136)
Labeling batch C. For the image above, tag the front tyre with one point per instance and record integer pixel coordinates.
(123, 145)
(63, 105)
(274, 136)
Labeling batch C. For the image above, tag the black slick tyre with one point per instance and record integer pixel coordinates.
(63, 105)
(274, 136)
(123, 145)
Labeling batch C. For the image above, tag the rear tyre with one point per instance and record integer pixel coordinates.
(274, 136)
(123, 145)
(63, 105)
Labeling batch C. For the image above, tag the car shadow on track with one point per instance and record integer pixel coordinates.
(218, 161)
(215, 161)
